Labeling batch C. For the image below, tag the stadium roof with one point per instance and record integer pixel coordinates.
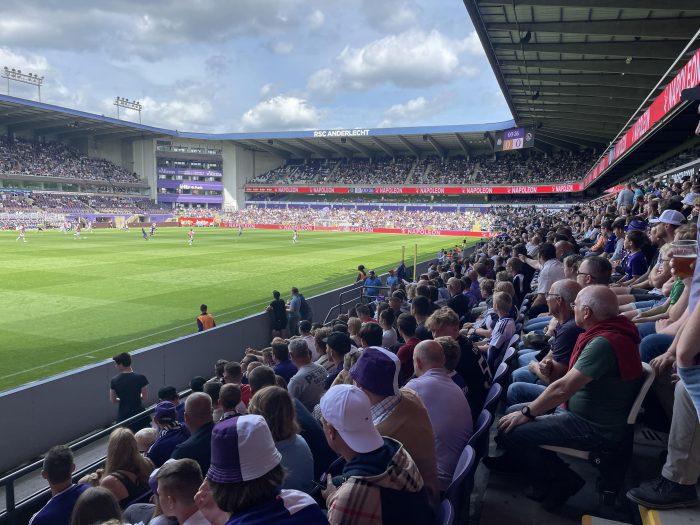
(65, 123)
(579, 71)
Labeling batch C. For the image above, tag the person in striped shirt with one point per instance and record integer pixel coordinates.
(502, 331)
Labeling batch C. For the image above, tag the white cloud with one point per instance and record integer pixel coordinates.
(281, 112)
(316, 19)
(268, 90)
(408, 60)
(391, 15)
(323, 83)
(179, 113)
(28, 62)
(415, 110)
(281, 47)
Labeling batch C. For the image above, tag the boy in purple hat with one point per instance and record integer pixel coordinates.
(245, 477)
(170, 433)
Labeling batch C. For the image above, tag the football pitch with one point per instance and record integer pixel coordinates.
(68, 302)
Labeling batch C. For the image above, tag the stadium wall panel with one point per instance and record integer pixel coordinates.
(62, 408)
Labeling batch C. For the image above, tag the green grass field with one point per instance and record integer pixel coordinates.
(67, 302)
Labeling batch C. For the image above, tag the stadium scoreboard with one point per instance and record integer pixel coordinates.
(514, 138)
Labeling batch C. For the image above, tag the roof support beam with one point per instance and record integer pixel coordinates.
(652, 67)
(270, 149)
(490, 138)
(463, 144)
(384, 146)
(590, 143)
(436, 145)
(629, 93)
(303, 153)
(585, 131)
(345, 152)
(556, 101)
(612, 4)
(76, 132)
(361, 148)
(312, 147)
(543, 145)
(675, 28)
(667, 49)
(549, 109)
(571, 118)
(411, 147)
(590, 79)
(19, 122)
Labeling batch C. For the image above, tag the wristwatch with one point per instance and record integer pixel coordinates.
(526, 412)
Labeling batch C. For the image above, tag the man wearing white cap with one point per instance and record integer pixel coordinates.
(669, 220)
(380, 483)
(245, 477)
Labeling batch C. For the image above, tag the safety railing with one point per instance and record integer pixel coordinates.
(12, 507)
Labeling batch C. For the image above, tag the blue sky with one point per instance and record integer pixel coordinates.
(256, 65)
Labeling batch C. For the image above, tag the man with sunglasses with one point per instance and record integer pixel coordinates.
(603, 379)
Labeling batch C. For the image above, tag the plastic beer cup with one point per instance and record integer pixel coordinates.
(684, 253)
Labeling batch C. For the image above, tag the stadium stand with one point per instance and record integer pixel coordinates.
(511, 168)
(581, 315)
(54, 159)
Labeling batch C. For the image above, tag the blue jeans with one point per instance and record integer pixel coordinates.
(653, 346)
(639, 305)
(524, 359)
(538, 323)
(691, 380)
(562, 428)
(523, 375)
(523, 392)
(646, 329)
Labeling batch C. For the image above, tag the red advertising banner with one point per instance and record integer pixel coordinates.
(358, 229)
(423, 190)
(688, 77)
(195, 221)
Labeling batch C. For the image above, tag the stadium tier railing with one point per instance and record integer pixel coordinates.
(12, 507)
(75, 403)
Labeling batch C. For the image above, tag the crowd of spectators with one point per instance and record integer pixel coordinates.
(379, 404)
(295, 172)
(503, 168)
(463, 221)
(54, 159)
(24, 204)
(360, 171)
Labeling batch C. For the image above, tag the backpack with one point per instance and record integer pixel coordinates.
(304, 309)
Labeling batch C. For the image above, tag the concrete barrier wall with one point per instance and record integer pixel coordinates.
(62, 408)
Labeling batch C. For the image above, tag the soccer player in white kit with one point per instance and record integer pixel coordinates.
(21, 231)
(294, 238)
(190, 237)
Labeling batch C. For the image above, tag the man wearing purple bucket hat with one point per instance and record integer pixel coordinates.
(245, 477)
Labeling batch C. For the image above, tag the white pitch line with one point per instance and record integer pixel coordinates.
(87, 354)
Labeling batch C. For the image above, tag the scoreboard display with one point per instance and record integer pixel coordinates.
(514, 138)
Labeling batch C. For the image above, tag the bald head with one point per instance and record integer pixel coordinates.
(594, 304)
(427, 355)
(197, 411)
(454, 285)
(562, 248)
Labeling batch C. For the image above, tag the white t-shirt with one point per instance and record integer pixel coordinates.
(311, 343)
(551, 272)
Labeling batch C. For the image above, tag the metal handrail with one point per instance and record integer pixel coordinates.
(7, 481)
